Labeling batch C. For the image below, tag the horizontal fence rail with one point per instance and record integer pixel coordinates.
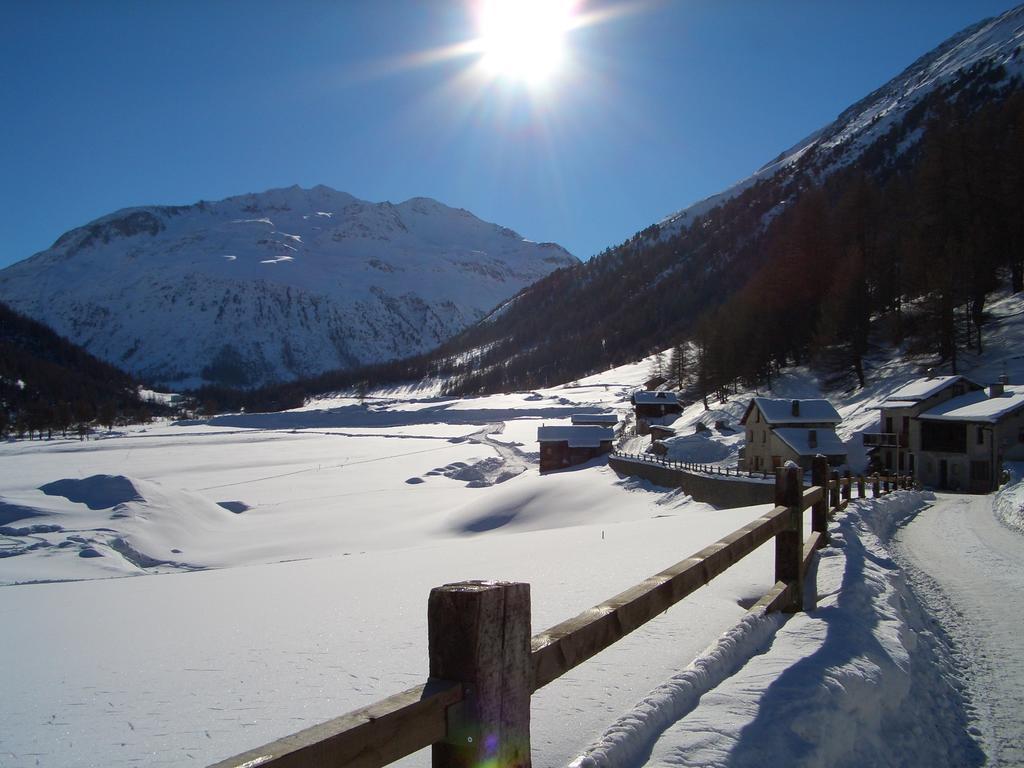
(474, 708)
(566, 645)
(689, 466)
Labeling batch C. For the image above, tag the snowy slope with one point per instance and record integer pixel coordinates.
(991, 43)
(261, 544)
(271, 286)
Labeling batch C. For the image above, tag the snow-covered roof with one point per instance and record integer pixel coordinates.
(577, 436)
(595, 418)
(808, 412)
(898, 403)
(655, 398)
(978, 406)
(827, 441)
(662, 428)
(920, 389)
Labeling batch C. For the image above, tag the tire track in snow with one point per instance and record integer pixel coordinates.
(969, 571)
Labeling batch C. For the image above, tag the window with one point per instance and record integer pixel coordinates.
(764, 436)
(943, 436)
(981, 436)
(888, 424)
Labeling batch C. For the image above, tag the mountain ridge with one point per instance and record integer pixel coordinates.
(865, 119)
(264, 287)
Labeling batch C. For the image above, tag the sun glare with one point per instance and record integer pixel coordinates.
(524, 40)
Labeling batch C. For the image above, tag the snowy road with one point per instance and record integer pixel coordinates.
(969, 571)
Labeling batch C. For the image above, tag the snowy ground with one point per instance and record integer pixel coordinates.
(969, 570)
(284, 562)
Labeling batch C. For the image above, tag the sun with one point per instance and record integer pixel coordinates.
(524, 40)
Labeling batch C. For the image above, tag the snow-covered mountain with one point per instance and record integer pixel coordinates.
(271, 286)
(983, 47)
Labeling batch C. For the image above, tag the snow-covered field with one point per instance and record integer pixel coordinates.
(283, 563)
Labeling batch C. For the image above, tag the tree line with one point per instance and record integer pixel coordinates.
(909, 259)
(50, 386)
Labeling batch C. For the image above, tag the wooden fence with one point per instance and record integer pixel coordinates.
(474, 708)
(689, 466)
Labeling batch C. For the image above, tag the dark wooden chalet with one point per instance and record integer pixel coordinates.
(562, 447)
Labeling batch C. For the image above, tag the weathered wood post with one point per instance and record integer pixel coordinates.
(847, 483)
(861, 491)
(886, 484)
(479, 635)
(819, 510)
(789, 543)
(833, 496)
(876, 486)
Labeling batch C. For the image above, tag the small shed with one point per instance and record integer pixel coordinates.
(562, 447)
(653, 407)
(661, 432)
(654, 382)
(595, 419)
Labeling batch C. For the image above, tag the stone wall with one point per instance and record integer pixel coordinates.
(721, 492)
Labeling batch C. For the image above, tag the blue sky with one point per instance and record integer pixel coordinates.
(108, 105)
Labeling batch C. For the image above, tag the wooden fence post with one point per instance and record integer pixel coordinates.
(885, 485)
(833, 496)
(819, 511)
(789, 543)
(847, 485)
(861, 491)
(876, 486)
(479, 635)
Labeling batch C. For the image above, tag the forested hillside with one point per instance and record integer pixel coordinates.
(47, 384)
(891, 226)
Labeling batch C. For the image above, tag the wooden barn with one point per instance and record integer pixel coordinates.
(562, 447)
(654, 408)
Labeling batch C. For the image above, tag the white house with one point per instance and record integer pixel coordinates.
(903, 406)
(778, 431)
(960, 444)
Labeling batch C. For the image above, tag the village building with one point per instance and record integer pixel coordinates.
(654, 382)
(960, 444)
(893, 446)
(654, 408)
(595, 419)
(778, 431)
(562, 447)
(661, 432)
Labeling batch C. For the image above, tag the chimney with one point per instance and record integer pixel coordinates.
(812, 438)
(996, 390)
(1004, 379)
(796, 407)
(929, 374)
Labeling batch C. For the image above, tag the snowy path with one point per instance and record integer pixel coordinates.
(968, 569)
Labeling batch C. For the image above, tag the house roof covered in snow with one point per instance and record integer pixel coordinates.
(576, 436)
(921, 389)
(978, 406)
(826, 441)
(655, 398)
(782, 411)
(595, 418)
